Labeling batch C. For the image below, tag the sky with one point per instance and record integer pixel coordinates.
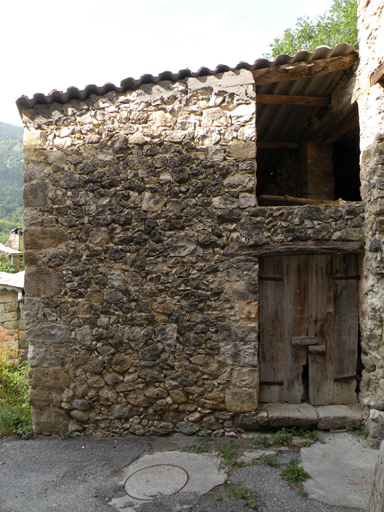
(47, 45)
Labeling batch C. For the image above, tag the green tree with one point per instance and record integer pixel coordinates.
(338, 25)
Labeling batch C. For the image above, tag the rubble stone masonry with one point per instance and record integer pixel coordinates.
(141, 235)
(371, 115)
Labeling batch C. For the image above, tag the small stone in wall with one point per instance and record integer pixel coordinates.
(240, 400)
(187, 428)
(246, 200)
(153, 202)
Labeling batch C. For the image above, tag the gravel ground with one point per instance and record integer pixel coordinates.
(84, 474)
(268, 491)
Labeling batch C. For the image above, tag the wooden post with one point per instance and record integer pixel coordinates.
(316, 170)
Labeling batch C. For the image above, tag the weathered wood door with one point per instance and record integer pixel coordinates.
(308, 328)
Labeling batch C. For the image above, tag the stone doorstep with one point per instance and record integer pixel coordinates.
(328, 417)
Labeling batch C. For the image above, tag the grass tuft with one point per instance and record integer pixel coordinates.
(270, 461)
(229, 453)
(261, 442)
(200, 444)
(239, 492)
(360, 427)
(294, 474)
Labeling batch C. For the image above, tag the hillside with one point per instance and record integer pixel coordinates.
(10, 131)
(11, 178)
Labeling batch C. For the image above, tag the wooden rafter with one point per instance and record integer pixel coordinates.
(279, 99)
(299, 70)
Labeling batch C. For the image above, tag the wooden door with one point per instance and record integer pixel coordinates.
(308, 329)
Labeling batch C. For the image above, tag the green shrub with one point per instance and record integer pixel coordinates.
(6, 265)
(15, 411)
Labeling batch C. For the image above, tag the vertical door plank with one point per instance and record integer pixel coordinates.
(320, 325)
(295, 276)
(346, 329)
(271, 348)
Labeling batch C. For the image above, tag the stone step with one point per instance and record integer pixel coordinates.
(329, 417)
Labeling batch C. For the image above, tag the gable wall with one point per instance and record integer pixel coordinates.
(371, 115)
(139, 314)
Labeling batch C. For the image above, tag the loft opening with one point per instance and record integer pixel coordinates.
(307, 136)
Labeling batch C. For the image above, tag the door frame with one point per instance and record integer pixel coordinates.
(310, 354)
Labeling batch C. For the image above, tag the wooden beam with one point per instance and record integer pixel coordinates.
(340, 247)
(279, 99)
(277, 145)
(299, 70)
(266, 200)
(377, 76)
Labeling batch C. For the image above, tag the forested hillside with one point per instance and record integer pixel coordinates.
(11, 179)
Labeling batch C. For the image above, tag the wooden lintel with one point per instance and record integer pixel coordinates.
(377, 76)
(286, 200)
(280, 99)
(333, 247)
(277, 145)
(304, 69)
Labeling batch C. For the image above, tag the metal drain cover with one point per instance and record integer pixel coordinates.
(152, 482)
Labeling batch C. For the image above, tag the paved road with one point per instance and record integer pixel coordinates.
(87, 475)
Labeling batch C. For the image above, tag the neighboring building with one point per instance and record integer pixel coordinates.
(12, 311)
(205, 249)
(11, 248)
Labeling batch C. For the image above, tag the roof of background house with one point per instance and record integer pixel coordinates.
(12, 280)
(9, 250)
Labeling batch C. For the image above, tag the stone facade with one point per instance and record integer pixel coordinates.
(141, 248)
(143, 238)
(371, 115)
(134, 204)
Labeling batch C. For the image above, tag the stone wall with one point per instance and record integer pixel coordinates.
(142, 240)
(137, 317)
(12, 317)
(371, 114)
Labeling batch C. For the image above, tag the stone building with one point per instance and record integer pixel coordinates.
(12, 311)
(11, 248)
(205, 249)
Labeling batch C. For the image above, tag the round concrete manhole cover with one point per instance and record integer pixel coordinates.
(154, 481)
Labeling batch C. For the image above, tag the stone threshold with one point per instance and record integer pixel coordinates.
(327, 417)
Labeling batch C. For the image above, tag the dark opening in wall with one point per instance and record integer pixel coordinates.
(346, 169)
(317, 171)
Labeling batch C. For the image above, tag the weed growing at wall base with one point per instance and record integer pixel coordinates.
(294, 474)
(15, 411)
